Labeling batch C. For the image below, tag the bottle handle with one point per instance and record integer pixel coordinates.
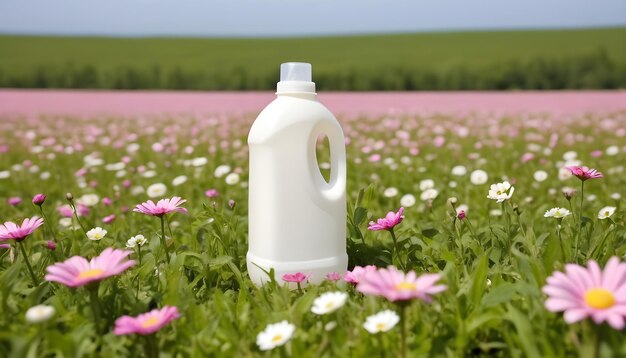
(335, 187)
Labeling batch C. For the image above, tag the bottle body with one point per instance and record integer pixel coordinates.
(296, 218)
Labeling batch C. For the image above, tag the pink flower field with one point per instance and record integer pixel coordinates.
(31, 102)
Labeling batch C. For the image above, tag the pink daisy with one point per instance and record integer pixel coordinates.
(11, 231)
(297, 277)
(162, 207)
(584, 173)
(357, 272)
(388, 222)
(77, 271)
(397, 286)
(146, 323)
(589, 292)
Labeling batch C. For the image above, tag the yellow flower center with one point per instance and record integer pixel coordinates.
(329, 305)
(499, 192)
(380, 326)
(406, 286)
(599, 298)
(277, 338)
(91, 273)
(607, 213)
(150, 322)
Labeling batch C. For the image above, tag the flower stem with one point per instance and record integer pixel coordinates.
(403, 329)
(580, 221)
(95, 306)
(30, 268)
(77, 219)
(395, 249)
(558, 234)
(163, 241)
(151, 346)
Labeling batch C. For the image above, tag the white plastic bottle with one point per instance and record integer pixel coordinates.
(297, 220)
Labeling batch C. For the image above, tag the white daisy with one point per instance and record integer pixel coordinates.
(540, 175)
(329, 302)
(275, 335)
(89, 200)
(390, 192)
(39, 313)
(459, 171)
(429, 194)
(232, 179)
(181, 179)
(606, 212)
(478, 177)
(96, 234)
(221, 170)
(500, 191)
(407, 200)
(381, 322)
(557, 213)
(427, 184)
(156, 190)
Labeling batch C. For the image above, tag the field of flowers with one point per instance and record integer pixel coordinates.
(467, 236)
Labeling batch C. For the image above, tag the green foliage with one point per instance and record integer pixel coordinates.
(564, 59)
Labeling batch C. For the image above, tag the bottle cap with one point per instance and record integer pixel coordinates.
(295, 71)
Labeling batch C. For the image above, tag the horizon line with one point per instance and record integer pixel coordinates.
(321, 35)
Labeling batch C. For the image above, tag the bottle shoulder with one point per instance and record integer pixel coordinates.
(286, 112)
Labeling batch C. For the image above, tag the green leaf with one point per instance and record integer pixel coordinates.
(500, 294)
(479, 282)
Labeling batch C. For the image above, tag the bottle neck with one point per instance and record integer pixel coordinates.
(299, 89)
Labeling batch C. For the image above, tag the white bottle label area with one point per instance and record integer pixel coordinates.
(297, 220)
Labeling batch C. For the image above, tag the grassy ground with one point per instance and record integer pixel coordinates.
(452, 59)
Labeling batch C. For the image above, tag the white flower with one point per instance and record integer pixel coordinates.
(275, 335)
(89, 200)
(136, 190)
(199, 162)
(606, 212)
(495, 212)
(459, 170)
(500, 191)
(407, 200)
(569, 156)
(4, 174)
(591, 197)
(221, 171)
(156, 190)
(65, 222)
(140, 239)
(616, 196)
(478, 177)
(96, 234)
(453, 184)
(132, 147)
(612, 150)
(390, 192)
(113, 167)
(149, 174)
(429, 194)
(44, 175)
(181, 179)
(381, 322)
(540, 175)
(232, 179)
(330, 326)
(557, 213)
(39, 313)
(329, 302)
(564, 174)
(131, 243)
(427, 184)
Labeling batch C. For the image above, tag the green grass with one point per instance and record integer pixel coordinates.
(354, 62)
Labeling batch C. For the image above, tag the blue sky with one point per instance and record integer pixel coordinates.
(252, 18)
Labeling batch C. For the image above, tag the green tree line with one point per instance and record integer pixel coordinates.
(593, 71)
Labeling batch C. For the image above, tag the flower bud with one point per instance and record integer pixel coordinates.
(69, 197)
(51, 245)
(39, 199)
(461, 215)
